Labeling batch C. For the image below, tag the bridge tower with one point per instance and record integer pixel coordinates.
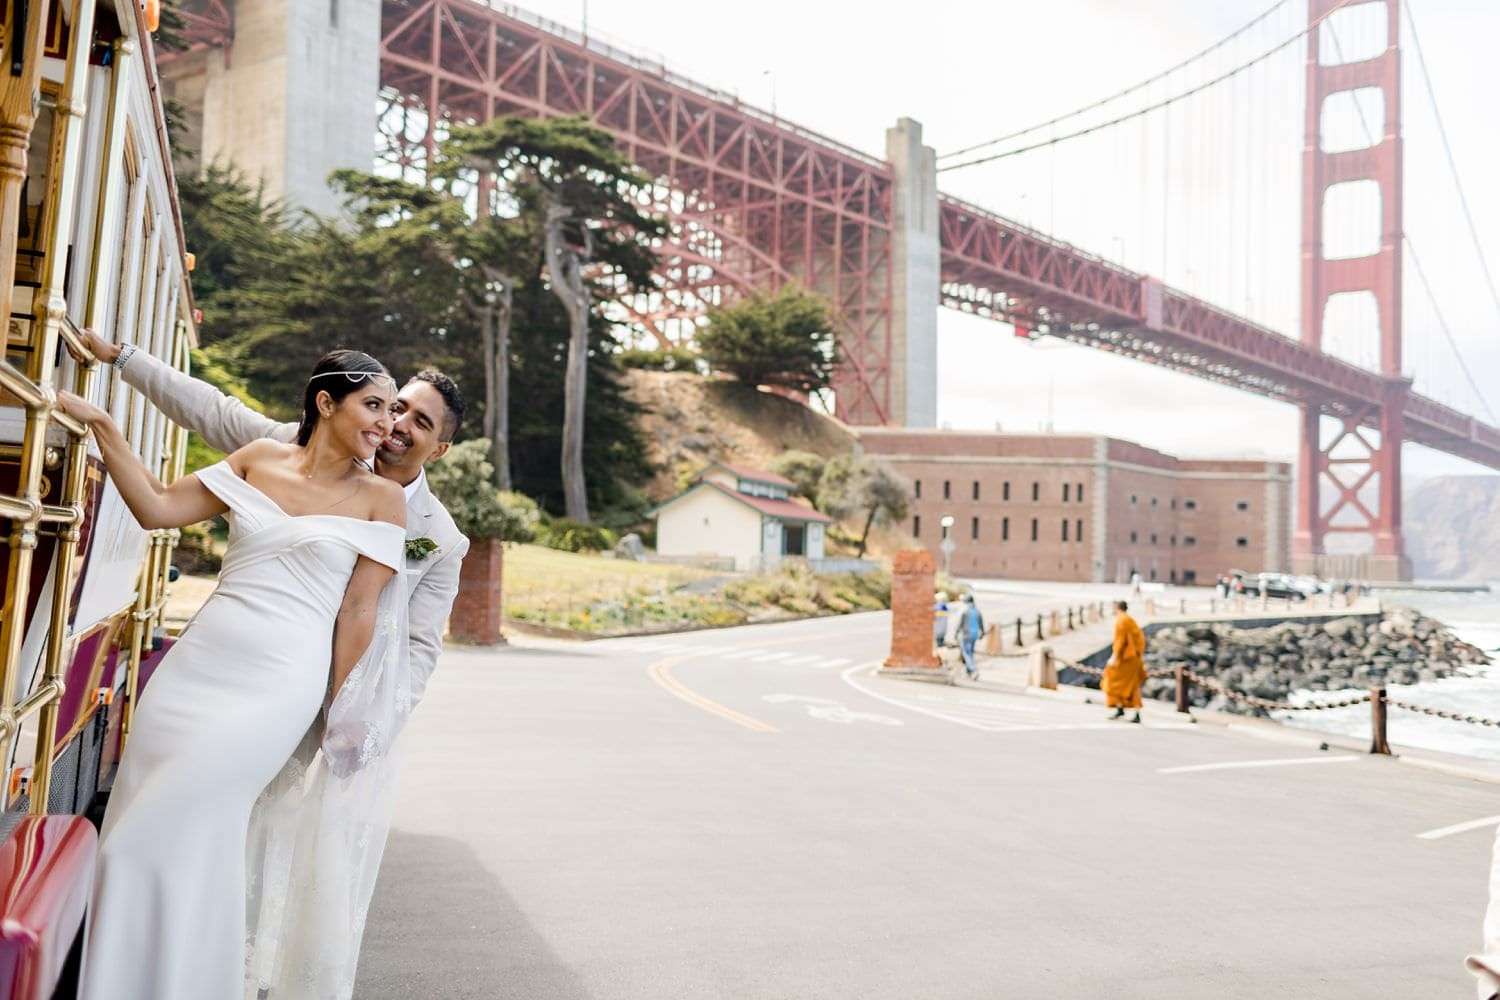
(284, 90)
(1350, 481)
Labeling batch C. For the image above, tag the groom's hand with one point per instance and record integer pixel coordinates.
(101, 349)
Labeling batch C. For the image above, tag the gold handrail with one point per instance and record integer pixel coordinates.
(35, 389)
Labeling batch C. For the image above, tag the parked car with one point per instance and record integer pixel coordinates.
(1279, 585)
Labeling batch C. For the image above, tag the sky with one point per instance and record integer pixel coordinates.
(1230, 161)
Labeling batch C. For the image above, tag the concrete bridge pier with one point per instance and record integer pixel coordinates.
(289, 98)
(915, 285)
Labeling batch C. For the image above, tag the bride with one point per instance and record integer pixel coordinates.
(235, 859)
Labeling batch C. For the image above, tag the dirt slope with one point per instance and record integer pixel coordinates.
(690, 421)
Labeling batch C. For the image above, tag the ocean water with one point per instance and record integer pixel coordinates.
(1472, 617)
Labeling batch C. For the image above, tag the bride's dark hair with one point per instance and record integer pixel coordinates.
(337, 373)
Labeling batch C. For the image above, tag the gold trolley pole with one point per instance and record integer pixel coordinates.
(34, 387)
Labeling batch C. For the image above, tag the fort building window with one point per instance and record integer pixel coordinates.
(947, 490)
(1132, 538)
(1134, 499)
(1005, 529)
(974, 528)
(1242, 505)
(1189, 540)
(1005, 490)
(1189, 505)
(1066, 488)
(1242, 542)
(1079, 493)
(916, 526)
(1036, 492)
(916, 488)
(976, 489)
(1153, 501)
(1033, 529)
(1065, 529)
(1153, 538)
(1079, 533)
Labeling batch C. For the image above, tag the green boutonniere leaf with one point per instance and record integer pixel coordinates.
(420, 548)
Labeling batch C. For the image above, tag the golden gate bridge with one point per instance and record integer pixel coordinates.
(756, 201)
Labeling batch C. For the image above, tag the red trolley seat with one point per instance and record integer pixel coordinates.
(46, 875)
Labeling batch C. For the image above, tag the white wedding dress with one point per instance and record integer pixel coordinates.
(237, 820)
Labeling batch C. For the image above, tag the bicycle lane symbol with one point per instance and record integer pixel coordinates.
(831, 711)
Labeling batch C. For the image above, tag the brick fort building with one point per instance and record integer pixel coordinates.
(1088, 508)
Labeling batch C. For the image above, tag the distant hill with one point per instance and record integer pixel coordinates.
(1453, 528)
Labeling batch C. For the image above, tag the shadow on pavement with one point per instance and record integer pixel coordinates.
(441, 925)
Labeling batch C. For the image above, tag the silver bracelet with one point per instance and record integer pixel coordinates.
(126, 350)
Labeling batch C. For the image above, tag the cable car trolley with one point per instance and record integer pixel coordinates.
(90, 237)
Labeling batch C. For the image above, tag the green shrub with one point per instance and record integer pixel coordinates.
(463, 480)
(677, 359)
(571, 536)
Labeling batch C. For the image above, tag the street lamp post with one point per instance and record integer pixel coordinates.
(946, 545)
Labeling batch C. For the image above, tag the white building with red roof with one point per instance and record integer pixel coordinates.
(748, 515)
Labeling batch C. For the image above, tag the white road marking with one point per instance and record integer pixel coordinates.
(769, 657)
(1448, 831)
(832, 711)
(981, 702)
(743, 654)
(802, 660)
(848, 678)
(834, 661)
(1237, 764)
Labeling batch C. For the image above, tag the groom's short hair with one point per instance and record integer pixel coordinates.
(453, 400)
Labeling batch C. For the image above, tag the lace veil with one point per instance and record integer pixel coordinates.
(318, 830)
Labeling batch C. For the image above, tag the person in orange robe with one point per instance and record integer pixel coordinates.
(1126, 671)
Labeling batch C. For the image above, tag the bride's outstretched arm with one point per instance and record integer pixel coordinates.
(355, 625)
(155, 505)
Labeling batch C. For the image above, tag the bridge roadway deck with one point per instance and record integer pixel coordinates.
(751, 814)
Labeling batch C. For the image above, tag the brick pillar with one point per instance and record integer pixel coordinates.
(913, 577)
(476, 609)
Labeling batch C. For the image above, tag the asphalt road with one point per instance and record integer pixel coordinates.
(751, 813)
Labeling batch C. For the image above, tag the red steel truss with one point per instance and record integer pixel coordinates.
(753, 202)
(996, 268)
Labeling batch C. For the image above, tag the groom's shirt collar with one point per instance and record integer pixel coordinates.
(413, 487)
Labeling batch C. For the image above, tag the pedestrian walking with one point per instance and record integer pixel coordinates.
(1135, 583)
(939, 619)
(1126, 671)
(970, 628)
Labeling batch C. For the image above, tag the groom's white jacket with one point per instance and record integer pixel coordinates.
(228, 425)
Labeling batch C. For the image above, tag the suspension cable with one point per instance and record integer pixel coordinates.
(1443, 325)
(1463, 199)
(1122, 93)
(1157, 106)
(1411, 247)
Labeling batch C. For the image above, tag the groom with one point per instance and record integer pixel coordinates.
(428, 412)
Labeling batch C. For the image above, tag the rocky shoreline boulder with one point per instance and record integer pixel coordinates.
(1271, 662)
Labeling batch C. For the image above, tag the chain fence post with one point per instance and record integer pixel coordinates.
(1039, 635)
(1019, 641)
(1070, 618)
(1378, 743)
(1182, 688)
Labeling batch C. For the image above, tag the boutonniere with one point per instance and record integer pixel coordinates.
(420, 548)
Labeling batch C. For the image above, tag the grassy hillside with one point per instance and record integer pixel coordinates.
(691, 421)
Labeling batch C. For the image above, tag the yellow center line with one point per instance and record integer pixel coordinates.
(661, 673)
